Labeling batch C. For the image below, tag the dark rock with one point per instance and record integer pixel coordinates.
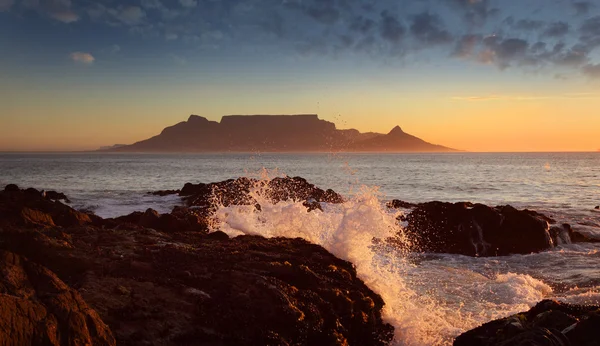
(29, 208)
(11, 188)
(173, 287)
(37, 308)
(150, 219)
(33, 191)
(312, 205)
(478, 230)
(218, 235)
(237, 192)
(164, 192)
(396, 203)
(549, 323)
(56, 196)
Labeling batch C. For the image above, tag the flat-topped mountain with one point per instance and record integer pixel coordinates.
(273, 133)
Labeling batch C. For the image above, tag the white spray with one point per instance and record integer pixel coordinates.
(428, 304)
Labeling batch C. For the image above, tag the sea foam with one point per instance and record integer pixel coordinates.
(427, 301)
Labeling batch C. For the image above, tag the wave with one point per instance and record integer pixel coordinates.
(427, 301)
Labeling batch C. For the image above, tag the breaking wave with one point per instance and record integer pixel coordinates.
(430, 299)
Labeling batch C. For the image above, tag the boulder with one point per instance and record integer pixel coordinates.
(237, 192)
(396, 204)
(37, 308)
(11, 188)
(549, 323)
(479, 230)
(29, 208)
(56, 196)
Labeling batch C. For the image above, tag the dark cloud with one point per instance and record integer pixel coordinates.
(326, 14)
(582, 7)
(476, 12)
(592, 71)
(362, 25)
(428, 29)
(557, 29)
(576, 56)
(391, 28)
(465, 46)
(528, 24)
(590, 31)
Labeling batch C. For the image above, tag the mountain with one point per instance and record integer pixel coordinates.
(273, 133)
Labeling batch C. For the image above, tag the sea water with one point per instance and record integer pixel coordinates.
(430, 298)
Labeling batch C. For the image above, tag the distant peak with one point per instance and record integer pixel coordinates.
(194, 118)
(396, 130)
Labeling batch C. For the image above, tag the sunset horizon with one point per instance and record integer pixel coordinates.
(476, 75)
(300, 172)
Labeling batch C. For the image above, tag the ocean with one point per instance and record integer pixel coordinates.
(430, 298)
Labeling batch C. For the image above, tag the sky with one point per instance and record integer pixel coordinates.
(477, 75)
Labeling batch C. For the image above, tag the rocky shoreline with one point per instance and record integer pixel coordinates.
(73, 278)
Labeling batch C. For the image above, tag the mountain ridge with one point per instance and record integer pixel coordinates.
(274, 133)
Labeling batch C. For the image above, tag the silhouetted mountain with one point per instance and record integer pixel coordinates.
(395, 140)
(272, 133)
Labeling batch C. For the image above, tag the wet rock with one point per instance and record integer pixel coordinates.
(218, 235)
(479, 230)
(56, 196)
(396, 204)
(37, 308)
(312, 205)
(549, 323)
(237, 192)
(173, 287)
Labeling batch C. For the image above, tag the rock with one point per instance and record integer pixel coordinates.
(549, 323)
(56, 196)
(33, 191)
(312, 205)
(164, 192)
(237, 192)
(150, 219)
(11, 188)
(175, 286)
(396, 203)
(479, 230)
(37, 308)
(29, 208)
(218, 235)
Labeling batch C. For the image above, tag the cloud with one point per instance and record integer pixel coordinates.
(592, 71)
(427, 28)
(465, 46)
(5, 5)
(65, 16)
(82, 58)
(188, 3)
(557, 29)
(528, 24)
(582, 7)
(56, 9)
(391, 28)
(171, 36)
(130, 15)
(590, 31)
